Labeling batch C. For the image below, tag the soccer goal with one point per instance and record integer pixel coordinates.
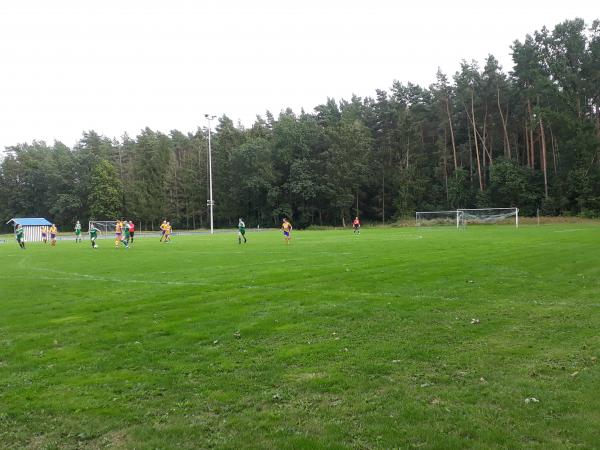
(106, 227)
(491, 216)
(439, 218)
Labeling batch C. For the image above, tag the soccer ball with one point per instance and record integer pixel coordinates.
(95, 246)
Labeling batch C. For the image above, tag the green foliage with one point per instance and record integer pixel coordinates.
(510, 185)
(477, 138)
(105, 198)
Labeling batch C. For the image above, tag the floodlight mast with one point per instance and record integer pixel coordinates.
(210, 190)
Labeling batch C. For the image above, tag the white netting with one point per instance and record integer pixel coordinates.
(491, 216)
(106, 227)
(437, 218)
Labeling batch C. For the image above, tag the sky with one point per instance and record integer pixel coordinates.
(116, 66)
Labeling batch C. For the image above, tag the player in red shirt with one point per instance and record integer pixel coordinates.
(131, 230)
(356, 225)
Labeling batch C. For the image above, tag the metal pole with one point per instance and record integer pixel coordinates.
(210, 189)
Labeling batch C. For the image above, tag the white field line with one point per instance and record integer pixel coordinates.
(105, 279)
(85, 277)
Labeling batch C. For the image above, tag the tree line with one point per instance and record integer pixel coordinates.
(484, 138)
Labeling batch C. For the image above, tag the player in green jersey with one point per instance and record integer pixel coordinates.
(93, 235)
(241, 231)
(20, 235)
(126, 234)
(77, 232)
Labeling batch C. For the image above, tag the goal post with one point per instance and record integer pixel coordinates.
(464, 216)
(491, 216)
(439, 218)
(106, 227)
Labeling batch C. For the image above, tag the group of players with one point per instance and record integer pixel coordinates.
(47, 232)
(125, 232)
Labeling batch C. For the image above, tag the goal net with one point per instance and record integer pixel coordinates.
(491, 216)
(435, 218)
(106, 227)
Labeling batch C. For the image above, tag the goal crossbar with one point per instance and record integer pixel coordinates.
(462, 216)
(105, 227)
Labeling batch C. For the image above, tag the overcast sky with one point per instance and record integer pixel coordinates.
(118, 66)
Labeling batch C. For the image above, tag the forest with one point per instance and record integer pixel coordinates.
(484, 137)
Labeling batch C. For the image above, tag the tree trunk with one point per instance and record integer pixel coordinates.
(553, 141)
(451, 135)
(446, 167)
(475, 139)
(504, 120)
(527, 144)
(470, 156)
(531, 145)
(543, 157)
(482, 138)
(407, 150)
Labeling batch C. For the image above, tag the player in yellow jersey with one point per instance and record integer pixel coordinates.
(168, 231)
(163, 230)
(53, 232)
(286, 227)
(118, 233)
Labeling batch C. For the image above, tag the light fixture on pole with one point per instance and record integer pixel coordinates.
(210, 201)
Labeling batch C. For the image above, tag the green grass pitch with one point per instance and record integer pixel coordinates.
(336, 341)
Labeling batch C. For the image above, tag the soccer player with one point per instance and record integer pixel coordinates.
(286, 227)
(118, 233)
(168, 232)
(126, 234)
(20, 236)
(53, 232)
(45, 234)
(356, 225)
(93, 235)
(241, 231)
(131, 230)
(77, 232)
(163, 229)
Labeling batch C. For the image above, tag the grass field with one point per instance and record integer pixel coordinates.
(335, 341)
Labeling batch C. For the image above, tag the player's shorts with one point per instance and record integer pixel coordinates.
(286, 233)
(52, 236)
(44, 235)
(19, 240)
(164, 232)
(241, 233)
(131, 233)
(78, 232)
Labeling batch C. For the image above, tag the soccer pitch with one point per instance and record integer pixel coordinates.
(335, 341)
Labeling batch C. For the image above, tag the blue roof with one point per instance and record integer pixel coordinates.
(29, 221)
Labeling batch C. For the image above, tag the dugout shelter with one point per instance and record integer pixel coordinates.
(32, 227)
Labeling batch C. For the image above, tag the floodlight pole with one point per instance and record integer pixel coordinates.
(210, 190)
